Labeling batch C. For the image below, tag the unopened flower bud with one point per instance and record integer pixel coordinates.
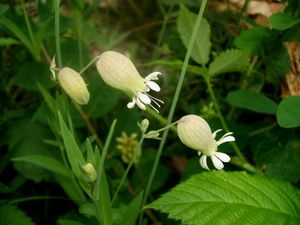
(152, 134)
(144, 125)
(74, 85)
(90, 170)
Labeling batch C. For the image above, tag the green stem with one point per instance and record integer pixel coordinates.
(174, 103)
(168, 126)
(127, 171)
(89, 64)
(28, 24)
(223, 122)
(57, 32)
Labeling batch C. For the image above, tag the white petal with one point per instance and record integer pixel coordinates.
(130, 105)
(153, 86)
(217, 162)
(144, 98)
(214, 134)
(225, 139)
(222, 156)
(152, 76)
(140, 104)
(203, 162)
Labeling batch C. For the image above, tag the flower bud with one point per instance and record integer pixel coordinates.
(90, 170)
(152, 134)
(144, 125)
(74, 85)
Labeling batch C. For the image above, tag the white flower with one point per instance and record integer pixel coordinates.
(74, 85)
(194, 132)
(119, 72)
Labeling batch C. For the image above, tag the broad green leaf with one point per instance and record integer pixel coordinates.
(45, 162)
(69, 222)
(252, 40)
(103, 97)
(253, 101)
(8, 41)
(185, 24)
(11, 215)
(132, 211)
(32, 73)
(26, 138)
(288, 115)
(229, 61)
(283, 21)
(225, 198)
(285, 163)
(73, 151)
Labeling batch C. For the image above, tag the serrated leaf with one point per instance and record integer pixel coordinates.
(185, 24)
(226, 198)
(231, 60)
(283, 21)
(288, 115)
(11, 215)
(253, 101)
(45, 162)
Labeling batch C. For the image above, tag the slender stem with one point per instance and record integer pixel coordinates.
(28, 24)
(127, 171)
(89, 125)
(223, 122)
(163, 29)
(89, 64)
(168, 126)
(262, 130)
(174, 103)
(57, 33)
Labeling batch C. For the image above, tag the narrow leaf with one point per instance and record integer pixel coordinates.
(8, 41)
(229, 61)
(225, 198)
(251, 100)
(73, 151)
(288, 115)
(45, 162)
(185, 24)
(132, 210)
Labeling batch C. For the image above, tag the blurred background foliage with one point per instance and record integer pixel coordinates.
(260, 103)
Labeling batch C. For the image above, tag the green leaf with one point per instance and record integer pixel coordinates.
(45, 162)
(229, 61)
(223, 198)
(73, 151)
(288, 115)
(11, 215)
(32, 73)
(16, 31)
(252, 40)
(283, 21)
(132, 210)
(185, 23)
(8, 41)
(69, 222)
(253, 101)
(103, 98)
(286, 163)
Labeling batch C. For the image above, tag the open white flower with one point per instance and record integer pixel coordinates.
(194, 132)
(119, 72)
